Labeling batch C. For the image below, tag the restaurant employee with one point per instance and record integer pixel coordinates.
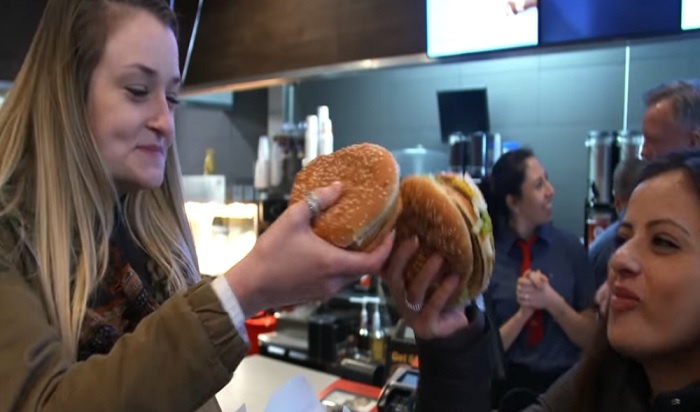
(542, 288)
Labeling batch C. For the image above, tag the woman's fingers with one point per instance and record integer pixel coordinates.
(372, 262)
(444, 322)
(440, 296)
(526, 280)
(415, 293)
(523, 292)
(317, 201)
(538, 278)
(394, 272)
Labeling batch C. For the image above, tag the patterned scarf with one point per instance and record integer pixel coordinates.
(131, 289)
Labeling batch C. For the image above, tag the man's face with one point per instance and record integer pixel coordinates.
(662, 134)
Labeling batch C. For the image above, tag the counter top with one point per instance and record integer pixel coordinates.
(258, 377)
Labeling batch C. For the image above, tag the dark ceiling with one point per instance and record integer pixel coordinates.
(20, 18)
(239, 39)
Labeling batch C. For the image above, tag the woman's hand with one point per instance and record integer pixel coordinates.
(523, 291)
(534, 291)
(290, 264)
(602, 298)
(434, 320)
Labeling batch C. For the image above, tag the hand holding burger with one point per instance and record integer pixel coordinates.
(444, 252)
(369, 203)
(448, 216)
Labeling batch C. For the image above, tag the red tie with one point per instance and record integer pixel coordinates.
(534, 326)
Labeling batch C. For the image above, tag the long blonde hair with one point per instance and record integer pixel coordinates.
(56, 196)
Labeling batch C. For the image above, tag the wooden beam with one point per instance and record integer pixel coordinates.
(252, 38)
(249, 38)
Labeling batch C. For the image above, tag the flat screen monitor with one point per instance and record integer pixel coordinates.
(690, 15)
(572, 21)
(463, 111)
(456, 27)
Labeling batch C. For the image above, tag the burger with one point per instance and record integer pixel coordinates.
(369, 204)
(448, 214)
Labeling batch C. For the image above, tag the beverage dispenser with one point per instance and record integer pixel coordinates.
(475, 153)
(602, 157)
(629, 144)
(605, 150)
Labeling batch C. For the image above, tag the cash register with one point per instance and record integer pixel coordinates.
(399, 392)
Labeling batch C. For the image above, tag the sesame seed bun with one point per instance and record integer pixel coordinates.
(370, 203)
(447, 214)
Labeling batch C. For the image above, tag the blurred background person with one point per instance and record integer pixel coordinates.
(672, 118)
(625, 178)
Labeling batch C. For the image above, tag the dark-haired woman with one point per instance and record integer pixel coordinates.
(542, 287)
(646, 356)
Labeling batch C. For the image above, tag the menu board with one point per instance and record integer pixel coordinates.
(457, 27)
(690, 15)
(570, 21)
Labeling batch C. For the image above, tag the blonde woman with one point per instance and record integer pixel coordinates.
(101, 304)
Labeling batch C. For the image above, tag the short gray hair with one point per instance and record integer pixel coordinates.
(685, 97)
(625, 177)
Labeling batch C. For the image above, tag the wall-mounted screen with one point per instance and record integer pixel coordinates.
(690, 15)
(570, 21)
(458, 27)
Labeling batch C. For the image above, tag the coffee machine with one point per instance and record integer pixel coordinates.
(475, 153)
(605, 150)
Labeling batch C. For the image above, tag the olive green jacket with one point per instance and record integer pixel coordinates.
(177, 359)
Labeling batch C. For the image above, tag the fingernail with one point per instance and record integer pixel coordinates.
(415, 240)
(337, 184)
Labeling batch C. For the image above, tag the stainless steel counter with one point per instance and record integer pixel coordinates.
(258, 377)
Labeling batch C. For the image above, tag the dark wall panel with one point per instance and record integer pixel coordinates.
(20, 18)
(243, 38)
(185, 10)
(18, 21)
(249, 38)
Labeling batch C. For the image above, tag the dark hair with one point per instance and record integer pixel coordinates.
(600, 356)
(625, 177)
(506, 178)
(685, 98)
(687, 161)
